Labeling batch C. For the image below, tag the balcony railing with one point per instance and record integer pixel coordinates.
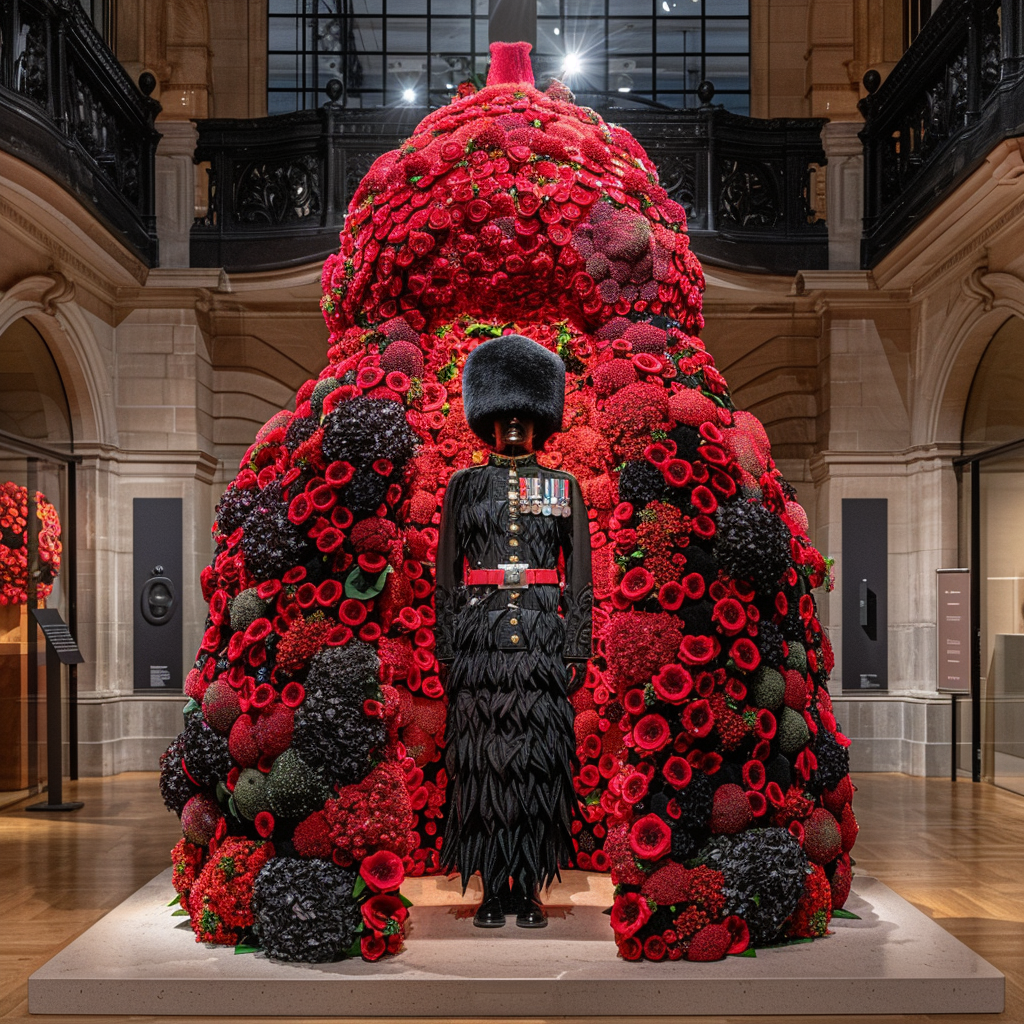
(68, 108)
(279, 186)
(953, 96)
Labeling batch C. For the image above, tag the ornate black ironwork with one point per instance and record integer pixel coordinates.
(279, 186)
(68, 108)
(953, 96)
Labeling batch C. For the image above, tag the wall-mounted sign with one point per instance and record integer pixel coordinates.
(953, 629)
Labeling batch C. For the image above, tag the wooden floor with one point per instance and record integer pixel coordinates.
(954, 850)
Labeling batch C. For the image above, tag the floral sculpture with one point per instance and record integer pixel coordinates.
(713, 778)
(14, 571)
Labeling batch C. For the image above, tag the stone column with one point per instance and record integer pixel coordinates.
(175, 191)
(844, 190)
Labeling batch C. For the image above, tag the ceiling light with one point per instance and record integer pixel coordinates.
(409, 95)
(571, 64)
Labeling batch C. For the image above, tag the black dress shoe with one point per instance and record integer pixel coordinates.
(489, 914)
(531, 914)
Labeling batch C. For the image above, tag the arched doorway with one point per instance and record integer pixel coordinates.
(992, 536)
(37, 525)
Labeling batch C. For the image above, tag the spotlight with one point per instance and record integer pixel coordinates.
(571, 64)
(409, 95)
(665, 7)
(558, 31)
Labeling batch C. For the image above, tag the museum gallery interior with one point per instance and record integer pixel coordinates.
(511, 508)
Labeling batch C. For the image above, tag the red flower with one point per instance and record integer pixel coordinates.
(655, 948)
(698, 718)
(339, 473)
(745, 655)
(381, 908)
(693, 586)
(753, 775)
(637, 583)
(630, 913)
(634, 701)
(265, 824)
(382, 871)
(673, 684)
(699, 650)
(651, 733)
(703, 500)
(634, 788)
(293, 694)
(671, 595)
(677, 472)
(372, 947)
(631, 949)
(730, 615)
(383, 467)
(650, 838)
(677, 772)
(740, 934)
(766, 724)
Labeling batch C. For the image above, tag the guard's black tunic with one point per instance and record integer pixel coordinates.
(510, 746)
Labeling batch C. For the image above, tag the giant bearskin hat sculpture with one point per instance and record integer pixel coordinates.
(713, 777)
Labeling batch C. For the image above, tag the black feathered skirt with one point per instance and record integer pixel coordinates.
(510, 748)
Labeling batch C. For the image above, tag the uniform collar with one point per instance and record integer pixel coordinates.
(528, 459)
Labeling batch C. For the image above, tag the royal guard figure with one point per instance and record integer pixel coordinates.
(514, 601)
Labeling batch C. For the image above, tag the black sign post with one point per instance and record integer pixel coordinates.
(61, 649)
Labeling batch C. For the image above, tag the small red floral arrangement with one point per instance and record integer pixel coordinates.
(14, 569)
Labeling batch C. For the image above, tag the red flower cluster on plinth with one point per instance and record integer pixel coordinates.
(708, 747)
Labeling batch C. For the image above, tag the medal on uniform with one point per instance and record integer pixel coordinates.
(548, 497)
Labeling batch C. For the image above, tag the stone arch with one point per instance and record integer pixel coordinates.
(47, 302)
(988, 301)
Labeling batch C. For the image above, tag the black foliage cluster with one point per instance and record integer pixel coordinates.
(701, 561)
(752, 543)
(235, 505)
(833, 761)
(778, 769)
(304, 909)
(175, 787)
(331, 730)
(641, 483)
(764, 871)
(271, 544)
(697, 616)
(691, 828)
(769, 643)
(206, 752)
(687, 442)
(359, 432)
(301, 428)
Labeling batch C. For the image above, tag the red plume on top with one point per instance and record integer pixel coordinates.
(510, 64)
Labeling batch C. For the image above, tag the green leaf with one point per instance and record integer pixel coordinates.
(358, 584)
(847, 915)
(406, 902)
(244, 948)
(355, 949)
(749, 951)
(175, 901)
(180, 913)
(190, 707)
(359, 888)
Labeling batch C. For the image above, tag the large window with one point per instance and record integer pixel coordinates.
(417, 51)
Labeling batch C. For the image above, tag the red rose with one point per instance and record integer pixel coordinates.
(634, 701)
(637, 583)
(673, 684)
(655, 948)
(650, 838)
(381, 908)
(729, 614)
(631, 949)
(693, 586)
(339, 473)
(740, 934)
(634, 788)
(630, 913)
(753, 775)
(382, 871)
(703, 500)
(293, 694)
(745, 654)
(677, 772)
(677, 472)
(698, 718)
(372, 947)
(651, 733)
(699, 650)
(670, 596)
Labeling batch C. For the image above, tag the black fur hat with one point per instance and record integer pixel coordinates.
(513, 374)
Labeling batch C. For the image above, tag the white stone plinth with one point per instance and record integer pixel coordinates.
(141, 960)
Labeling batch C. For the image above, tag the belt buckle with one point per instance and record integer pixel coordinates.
(515, 576)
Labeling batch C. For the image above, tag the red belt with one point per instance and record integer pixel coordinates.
(511, 576)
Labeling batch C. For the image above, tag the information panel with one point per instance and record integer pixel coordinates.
(953, 631)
